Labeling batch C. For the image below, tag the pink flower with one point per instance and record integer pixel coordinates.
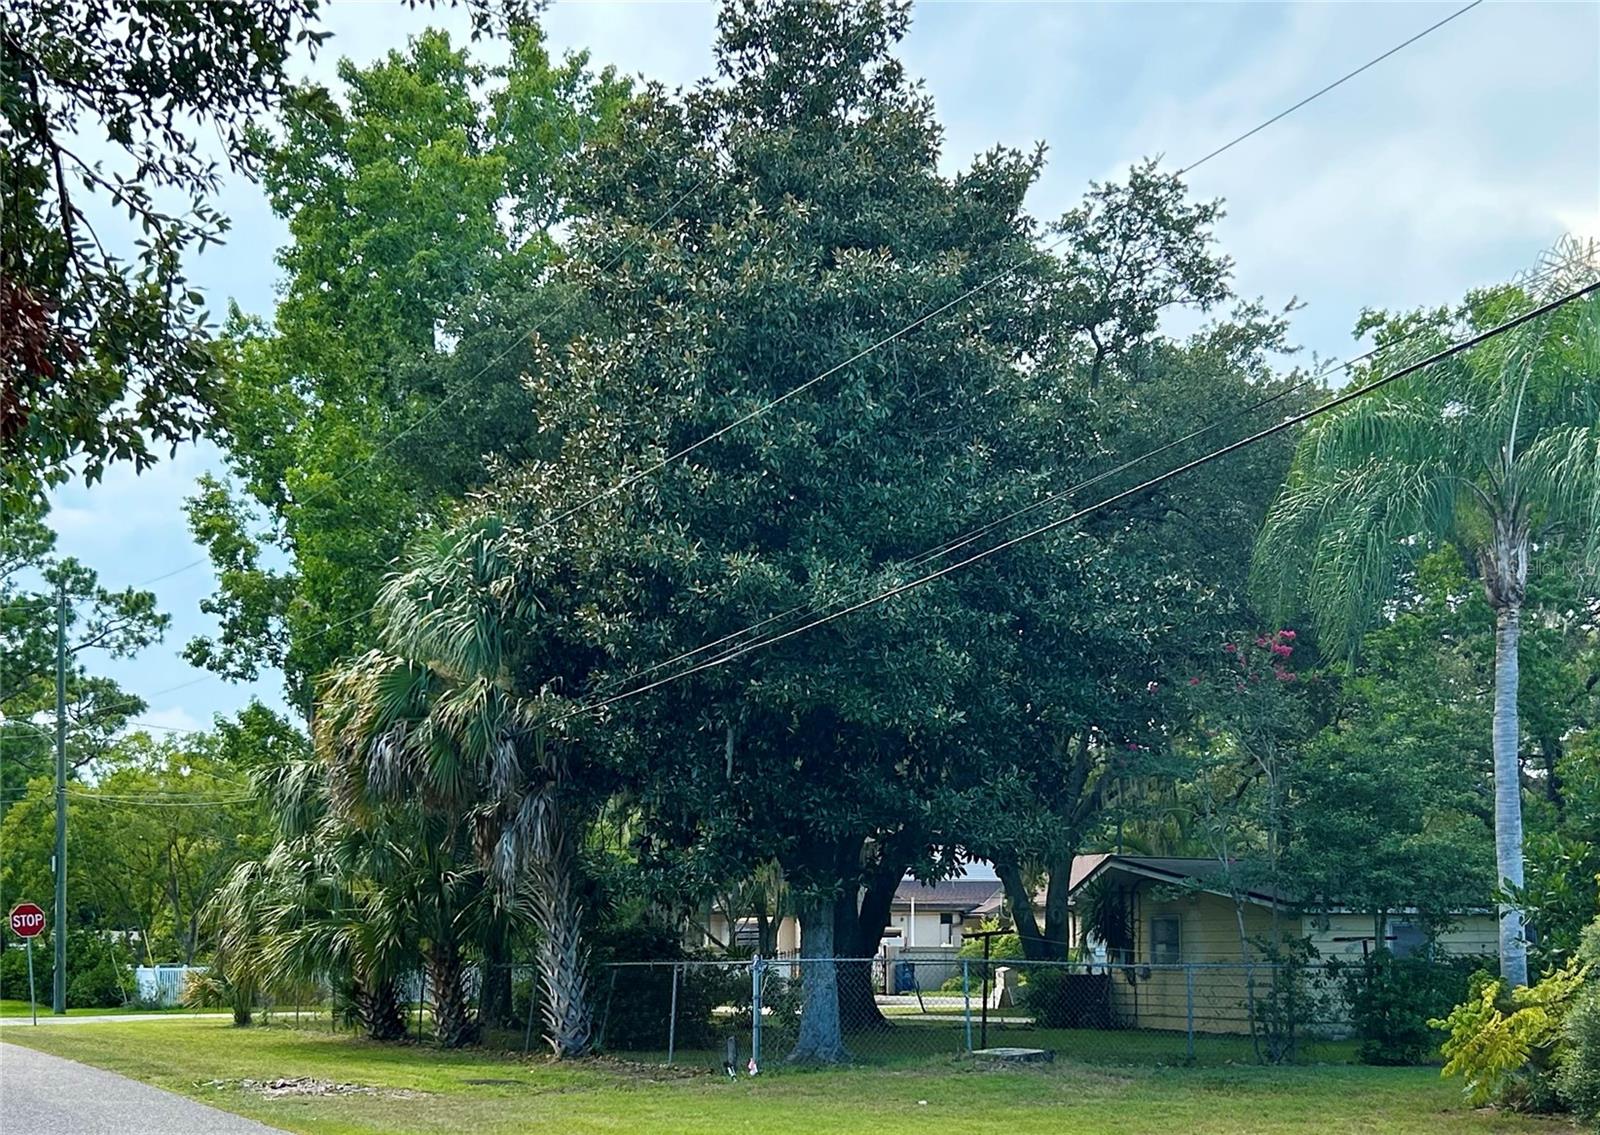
(1286, 634)
(1195, 681)
(1281, 650)
(1283, 675)
(1230, 648)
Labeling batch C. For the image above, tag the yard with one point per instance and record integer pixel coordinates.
(417, 1089)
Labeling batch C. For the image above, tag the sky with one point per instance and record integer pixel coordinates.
(1451, 165)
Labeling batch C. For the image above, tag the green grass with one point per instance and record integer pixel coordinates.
(1068, 1098)
(10, 1008)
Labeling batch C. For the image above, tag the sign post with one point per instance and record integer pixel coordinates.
(27, 923)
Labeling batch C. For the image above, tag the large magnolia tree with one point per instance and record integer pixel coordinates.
(1496, 451)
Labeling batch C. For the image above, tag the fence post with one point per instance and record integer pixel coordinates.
(1188, 989)
(966, 1001)
(757, 967)
(672, 1021)
(533, 995)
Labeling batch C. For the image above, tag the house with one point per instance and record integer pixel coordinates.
(1182, 910)
(926, 922)
(933, 915)
(1179, 947)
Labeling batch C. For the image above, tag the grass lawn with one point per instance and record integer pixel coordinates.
(10, 1008)
(423, 1090)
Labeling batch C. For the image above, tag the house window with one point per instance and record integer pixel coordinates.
(1407, 940)
(947, 927)
(1166, 939)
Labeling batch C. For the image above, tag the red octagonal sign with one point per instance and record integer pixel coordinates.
(27, 920)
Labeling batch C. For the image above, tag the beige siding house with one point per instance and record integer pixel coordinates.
(1192, 946)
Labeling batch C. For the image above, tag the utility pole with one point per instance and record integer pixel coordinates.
(59, 992)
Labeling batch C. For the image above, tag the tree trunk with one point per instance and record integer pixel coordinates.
(821, 1040)
(568, 1022)
(1508, 793)
(378, 1008)
(1057, 918)
(1021, 900)
(857, 931)
(1047, 943)
(453, 1025)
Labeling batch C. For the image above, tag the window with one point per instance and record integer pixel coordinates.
(947, 927)
(1165, 939)
(1406, 939)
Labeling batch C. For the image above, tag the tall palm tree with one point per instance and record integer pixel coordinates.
(1497, 451)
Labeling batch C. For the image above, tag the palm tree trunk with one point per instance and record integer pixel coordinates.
(378, 1008)
(568, 1023)
(1508, 793)
(453, 1025)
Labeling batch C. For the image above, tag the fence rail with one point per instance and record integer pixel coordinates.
(751, 1013)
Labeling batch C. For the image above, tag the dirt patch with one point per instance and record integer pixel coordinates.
(309, 1086)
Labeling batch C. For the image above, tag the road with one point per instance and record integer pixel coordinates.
(46, 1095)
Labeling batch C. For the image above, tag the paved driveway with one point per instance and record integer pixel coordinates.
(46, 1095)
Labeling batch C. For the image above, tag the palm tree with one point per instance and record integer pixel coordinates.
(1498, 451)
(459, 712)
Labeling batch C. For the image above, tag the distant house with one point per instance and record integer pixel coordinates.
(925, 919)
(934, 915)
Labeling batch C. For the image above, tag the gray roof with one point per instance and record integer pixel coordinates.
(1209, 874)
(963, 895)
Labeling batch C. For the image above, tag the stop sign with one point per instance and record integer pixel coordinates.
(27, 920)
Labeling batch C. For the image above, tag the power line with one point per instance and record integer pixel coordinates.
(141, 802)
(886, 340)
(956, 543)
(1345, 78)
(1032, 254)
(822, 376)
(1115, 498)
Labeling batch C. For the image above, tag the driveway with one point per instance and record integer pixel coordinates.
(46, 1095)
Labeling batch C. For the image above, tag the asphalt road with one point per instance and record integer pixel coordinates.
(46, 1095)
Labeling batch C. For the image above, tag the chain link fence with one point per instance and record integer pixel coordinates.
(736, 1014)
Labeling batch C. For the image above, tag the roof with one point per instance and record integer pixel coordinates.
(964, 895)
(1207, 874)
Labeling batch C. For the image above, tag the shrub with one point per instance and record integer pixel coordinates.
(1392, 1000)
(1505, 1044)
(98, 976)
(1061, 999)
(638, 1006)
(635, 1002)
(1578, 1081)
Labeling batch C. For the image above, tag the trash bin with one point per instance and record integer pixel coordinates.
(905, 977)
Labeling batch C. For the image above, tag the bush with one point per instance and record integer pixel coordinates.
(638, 1006)
(1508, 1044)
(1061, 999)
(635, 1002)
(1392, 1000)
(1578, 1082)
(98, 975)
